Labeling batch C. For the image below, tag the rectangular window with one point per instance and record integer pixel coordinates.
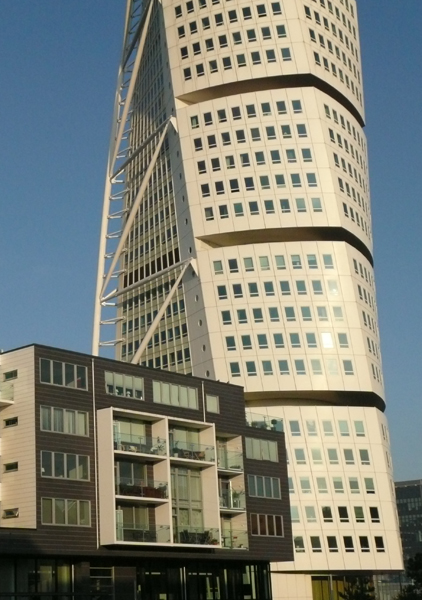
(316, 544)
(64, 466)
(61, 420)
(63, 374)
(183, 396)
(212, 403)
(10, 375)
(118, 384)
(332, 543)
(269, 525)
(261, 449)
(57, 511)
(264, 487)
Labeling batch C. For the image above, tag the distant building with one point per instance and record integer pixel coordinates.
(409, 507)
(121, 482)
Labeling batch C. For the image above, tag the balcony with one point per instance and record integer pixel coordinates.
(264, 422)
(235, 540)
(7, 394)
(196, 535)
(197, 452)
(130, 532)
(140, 444)
(233, 500)
(230, 461)
(142, 489)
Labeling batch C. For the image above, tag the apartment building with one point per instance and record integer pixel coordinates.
(121, 482)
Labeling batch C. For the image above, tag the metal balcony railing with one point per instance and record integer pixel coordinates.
(196, 535)
(131, 532)
(140, 444)
(264, 422)
(141, 488)
(231, 461)
(193, 451)
(235, 539)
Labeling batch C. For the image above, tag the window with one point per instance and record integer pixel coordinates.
(209, 213)
(230, 343)
(327, 515)
(343, 514)
(373, 511)
(312, 261)
(348, 456)
(311, 340)
(322, 485)
(316, 543)
(379, 543)
(286, 131)
(285, 205)
(118, 384)
(262, 341)
(58, 511)
(267, 367)
(10, 513)
(332, 543)
(348, 543)
(300, 456)
(310, 514)
(338, 485)
(9, 467)
(261, 449)
(327, 427)
(294, 428)
(8, 375)
(212, 403)
(233, 266)
(60, 420)
(11, 422)
(316, 456)
(359, 428)
(342, 340)
(305, 485)
(218, 267)
(280, 262)
(343, 428)
(64, 374)
(278, 340)
(364, 457)
(332, 455)
(176, 395)
(286, 54)
(235, 369)
(300, 205)
(364, 543)
(264, 487)
(328, 261)
(348, 367)
(283, 366)
(257, 315)
(294, 340)
(64, 466)
(369, 485)
(298, 543)
(354, 485)
(269, 207)
(306, 313)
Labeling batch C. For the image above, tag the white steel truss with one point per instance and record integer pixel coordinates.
(117, 218)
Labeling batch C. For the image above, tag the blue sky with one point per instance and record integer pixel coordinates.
(58, 70)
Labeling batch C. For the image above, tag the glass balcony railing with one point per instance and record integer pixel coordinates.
(235, 539)
(140, 444)
(193, 451)
(196, 535)
(264, 421)
(141, 488)
(230, 460)
(131, 532)
(7, 392)
(233, 499)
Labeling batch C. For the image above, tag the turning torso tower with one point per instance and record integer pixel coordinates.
(236, 244)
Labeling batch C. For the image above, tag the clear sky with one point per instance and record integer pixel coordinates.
(58, 71)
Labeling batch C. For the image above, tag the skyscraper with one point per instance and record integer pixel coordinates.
(236, 245)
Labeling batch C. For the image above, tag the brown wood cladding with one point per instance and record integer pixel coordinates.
(70, 540)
